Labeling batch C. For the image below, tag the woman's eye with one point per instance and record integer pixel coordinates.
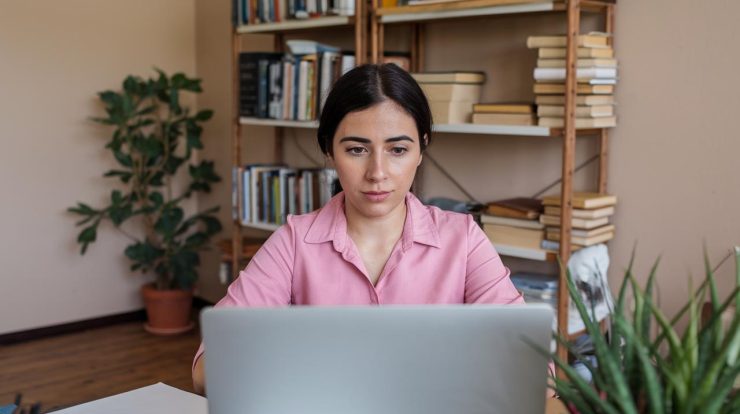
(356, 150)
(398, 150)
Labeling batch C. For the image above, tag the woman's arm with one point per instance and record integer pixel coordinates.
(265, 282)
(199, 376)
(486, 279)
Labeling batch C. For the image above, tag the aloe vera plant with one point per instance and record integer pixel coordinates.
(645, 366)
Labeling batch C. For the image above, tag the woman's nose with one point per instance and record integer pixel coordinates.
(376, 169)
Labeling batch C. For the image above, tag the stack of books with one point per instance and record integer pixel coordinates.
(249, 12)
(266, 193)
(590, 220)
(512, 225)
(537, 288)
(504, 114)
(290, 86)
(451, 95)
(596, 73)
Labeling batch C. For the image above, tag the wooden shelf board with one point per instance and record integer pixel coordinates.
(471, 8)
(494, 129)
(262, 226)
(278, 122)
(525, 253)
(327, 21)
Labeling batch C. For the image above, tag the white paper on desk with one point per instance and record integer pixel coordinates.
(153, 399)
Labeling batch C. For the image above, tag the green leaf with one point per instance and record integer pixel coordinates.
(576, 381)
(157, 179)
(172, 164)
(87, 236)
(213, 225)
(83, 209)
(123, 159)
(131, 85)
(653, 388)
(149, 146)
(204, 115)
(196, 240)
(610, 365)
(125, 176)
(145, 254)
(168, 221)
(156, 198)
(120, 212)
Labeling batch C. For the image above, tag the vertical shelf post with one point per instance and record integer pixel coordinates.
(569, 143)
(236, 232)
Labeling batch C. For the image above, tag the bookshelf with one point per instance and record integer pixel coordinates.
(417, 15)
(369, 25)
(279, 29)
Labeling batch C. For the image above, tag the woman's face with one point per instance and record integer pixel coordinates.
(376, 153)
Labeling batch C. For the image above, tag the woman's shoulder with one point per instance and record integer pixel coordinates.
(444, 221)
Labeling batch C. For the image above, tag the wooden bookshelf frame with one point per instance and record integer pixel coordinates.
(417, 15)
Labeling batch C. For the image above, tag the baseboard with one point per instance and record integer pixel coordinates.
(65, 328)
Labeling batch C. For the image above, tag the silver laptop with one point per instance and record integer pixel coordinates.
(441, 359)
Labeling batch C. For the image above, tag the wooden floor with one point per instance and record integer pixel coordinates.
(75, 368)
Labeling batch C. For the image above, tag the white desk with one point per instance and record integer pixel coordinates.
(163, 399)
(154, 399)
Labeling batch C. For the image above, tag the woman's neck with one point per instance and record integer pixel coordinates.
(386, 228)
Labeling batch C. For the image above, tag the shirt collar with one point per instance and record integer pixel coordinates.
(330, 224)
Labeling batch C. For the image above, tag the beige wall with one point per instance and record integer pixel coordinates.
(54, 57)
(672, 156)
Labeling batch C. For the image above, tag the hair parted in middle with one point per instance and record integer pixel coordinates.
(368, 85)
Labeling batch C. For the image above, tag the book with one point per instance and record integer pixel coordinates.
(513, 222)
(550, 245)
(584, 200)
(593, 40)
(504, 119)
(586, 111)
(504, 108)
(581, 52)
(585, 74)
(518, 207)
(452, 91)
(581, 89)
(581, 63)
(604, 122)
(523, 252)
(451, 112)
(514, 236)
(609, 228)
(308, 47)
(584, 241)
(449, 77)
(575, 222)
(582, 213)
(580, 100)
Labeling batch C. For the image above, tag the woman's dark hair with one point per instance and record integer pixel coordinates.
(367, 85)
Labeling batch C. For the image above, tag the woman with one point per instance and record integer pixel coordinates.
(374, 242)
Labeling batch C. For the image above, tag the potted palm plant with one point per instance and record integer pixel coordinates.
(644, 365)
(153, 137)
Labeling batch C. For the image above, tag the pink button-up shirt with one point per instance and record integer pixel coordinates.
(441, 258)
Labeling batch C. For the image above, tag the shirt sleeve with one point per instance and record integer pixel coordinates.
(487, 279)
(267, 279)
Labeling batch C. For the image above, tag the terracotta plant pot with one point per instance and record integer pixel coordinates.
(168, 311)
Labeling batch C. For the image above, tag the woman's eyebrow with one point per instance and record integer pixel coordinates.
(368, 141)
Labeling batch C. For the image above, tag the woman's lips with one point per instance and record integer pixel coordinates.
(376, 196)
